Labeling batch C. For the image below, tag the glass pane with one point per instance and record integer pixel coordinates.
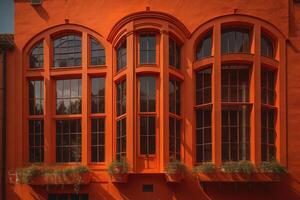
(97, 53)
(36, 59)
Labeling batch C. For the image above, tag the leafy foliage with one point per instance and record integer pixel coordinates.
(272, 167)
(238, 167)
(118, 167)
(175, 167)
(207, 167)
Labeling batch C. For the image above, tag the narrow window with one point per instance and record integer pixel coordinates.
(68, 96)
(174, 138)
(98, 95)
(67, 51)
(36, 140)
(174, 97)
(122, 55)
(236, 40)
(267, 46)
(36, 97)
(37, 56)
(148, 48)
(268, 135)
(98, 140)
(121, 139)
(147, 116)
(268, 86)
(97, 54)
(121, 97)
(203, 86)
(68, 140)
(204, 47)
(174, 53)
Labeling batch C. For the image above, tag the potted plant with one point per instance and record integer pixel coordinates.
(118, 170)
(174, 171)
(272, 169)
(240, 170)
(205, 171)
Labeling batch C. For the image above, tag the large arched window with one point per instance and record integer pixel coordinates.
(37, 56)
(204, 46)
(267, 46)
(235, 40)
(67, 51)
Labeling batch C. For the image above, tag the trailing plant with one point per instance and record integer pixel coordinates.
(118, 166)
(24, 175)
(207, 167)
(238, 167)
(175, 167)
(272, 167)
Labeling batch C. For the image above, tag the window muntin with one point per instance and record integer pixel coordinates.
(235, 40)
(67, 51)
(147, 94)
(121, 139)
(68, 96)
(36, 97)
(147, 135)
(148, 48)
(121, 97)
(174, 97)
(203, 135)
(174, 138)
(235, 133)
(174, 53)
(36, 59)
(266, 46)
(203, 86)
(97, 54)
(36, 140)
(68, 140)
(122, 55)
(68, 197)
(204, 46)
(98, 95)
(268, 92)
(98, 140)
(235, 82)
(268, 134)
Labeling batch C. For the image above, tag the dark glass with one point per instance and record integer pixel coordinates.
(235, 133)
(174, 53)
(235, 82)
(67, 51)
(97, 53)
(268, 92)
(121, 139)
(98, 139)
(268, 134)
(203, 135)
(174, 138)
(68, 96)
(266, 46)
(98, 95)
(147, 94)
(68, 140)
(122, 55)
(36, 59)
(235, 40)
(203, 86)
(36, 140)
(121, 97)
(36, 97)
(204, 46)
(147, 49)
(147, 135)
(174, 97)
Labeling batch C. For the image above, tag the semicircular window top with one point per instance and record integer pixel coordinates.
(67, 51)
(235, 40)
(97, 54)
(266, 46)
(204, 46)
(36, 59)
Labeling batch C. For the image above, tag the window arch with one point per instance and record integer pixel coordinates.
(97, 52)
(204, 46)
(267, 46)
(67, 51)
(36, 59)
(235, 40)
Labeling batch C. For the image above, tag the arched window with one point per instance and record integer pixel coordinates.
(266, 47)
(204, 46)
(67, 51)
(97, 54)
(235, 40)
(121, 55)
(37, 56)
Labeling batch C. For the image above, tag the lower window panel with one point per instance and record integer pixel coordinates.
(147, 135)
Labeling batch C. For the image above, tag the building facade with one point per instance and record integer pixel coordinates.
(90, 82)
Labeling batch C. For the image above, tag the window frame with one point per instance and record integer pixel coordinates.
(118, 48)
(269, 40)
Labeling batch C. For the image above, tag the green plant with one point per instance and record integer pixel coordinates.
(272, 167)
(204, 168)
(238, 167)
(175, 167)
(24, 175)
(118, 167)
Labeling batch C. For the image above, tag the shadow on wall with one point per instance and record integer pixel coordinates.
(41, 12)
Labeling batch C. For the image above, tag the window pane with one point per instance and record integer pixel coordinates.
(174, 97)
(174, 53)
(121, 97)
(36, 97)
(204, 46)
(203, 86)
(267, 48)
(67, 51)
(98, 95)
(121, 55)
(36, 140)
(147, 94)
(37, 56)
(268, 91)
(98, 139)
(147, 49)
(147, 135)
(235, 41)
(268, 134)
(121, 139)
(97, 53)
(174, 138)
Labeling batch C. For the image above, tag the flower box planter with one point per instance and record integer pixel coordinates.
(119, 178)
(239, 177)
(69, 179)
(174, 178)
